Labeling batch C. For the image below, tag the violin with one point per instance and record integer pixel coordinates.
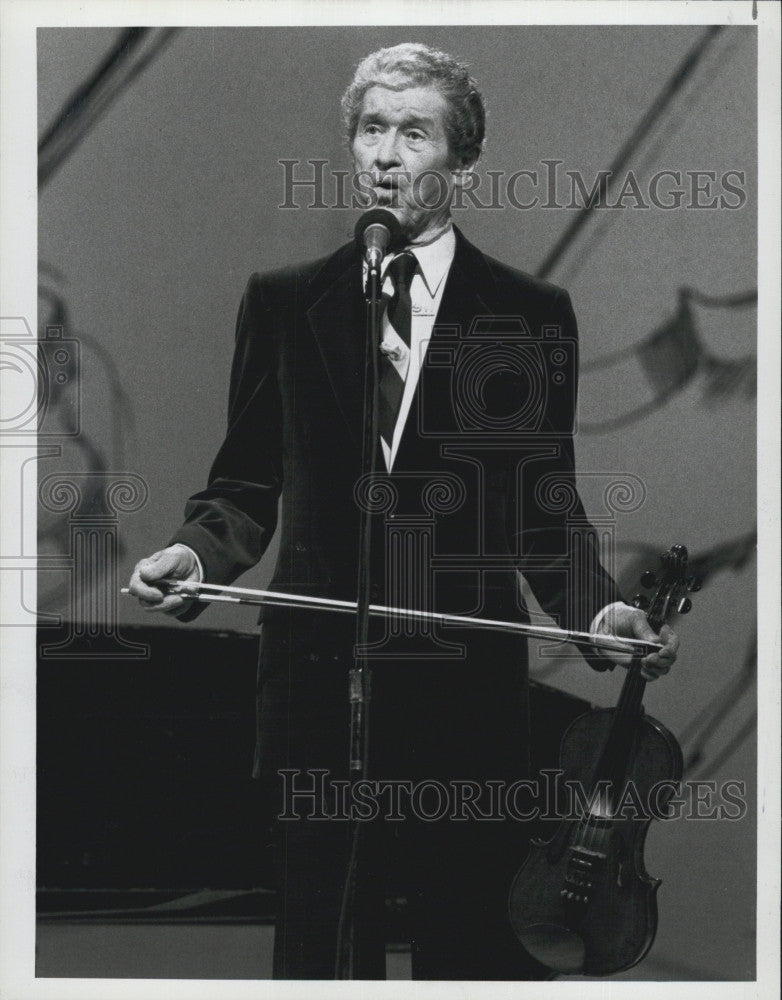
(583, 902)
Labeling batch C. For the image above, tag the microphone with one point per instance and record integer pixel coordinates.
(376, 231)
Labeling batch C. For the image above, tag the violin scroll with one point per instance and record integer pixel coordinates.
(673, 582)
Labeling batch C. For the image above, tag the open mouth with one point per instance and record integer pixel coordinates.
(387, 189)
(387, 182)
(387, 195)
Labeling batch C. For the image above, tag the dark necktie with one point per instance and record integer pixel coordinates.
(400, 310)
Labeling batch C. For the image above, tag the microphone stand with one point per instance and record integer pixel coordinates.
(349, 957)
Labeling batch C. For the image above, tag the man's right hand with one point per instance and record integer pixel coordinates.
(177, 562)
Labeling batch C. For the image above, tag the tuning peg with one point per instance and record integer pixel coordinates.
(649, 579)
(641, 601)
(685, 605)
(695, 584)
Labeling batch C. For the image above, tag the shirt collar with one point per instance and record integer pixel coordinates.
(434, 259)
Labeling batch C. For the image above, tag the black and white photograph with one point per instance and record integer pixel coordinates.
(390, 451)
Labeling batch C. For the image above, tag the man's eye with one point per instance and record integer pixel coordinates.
(371, 129)
(415, 136)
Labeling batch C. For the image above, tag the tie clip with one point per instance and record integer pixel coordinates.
(392, 352)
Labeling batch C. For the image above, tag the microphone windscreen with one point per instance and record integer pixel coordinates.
(379, 217)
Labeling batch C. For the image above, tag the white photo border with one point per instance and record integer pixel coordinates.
(18, 297)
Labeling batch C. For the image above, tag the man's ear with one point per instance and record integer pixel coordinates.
(461, 173)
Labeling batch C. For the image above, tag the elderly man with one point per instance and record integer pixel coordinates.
(477, 388)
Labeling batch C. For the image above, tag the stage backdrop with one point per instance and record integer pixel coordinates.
(167, 195)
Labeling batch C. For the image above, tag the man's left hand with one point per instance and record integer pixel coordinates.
(626, 622)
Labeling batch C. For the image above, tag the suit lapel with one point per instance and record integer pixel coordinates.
(469, 281)
(337, 320)
(468, 285)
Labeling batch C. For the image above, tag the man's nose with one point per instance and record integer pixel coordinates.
(386, 152)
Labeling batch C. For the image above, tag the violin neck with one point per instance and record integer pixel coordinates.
(630, 704)
(613, 761)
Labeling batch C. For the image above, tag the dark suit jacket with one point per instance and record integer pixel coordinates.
(483, 483)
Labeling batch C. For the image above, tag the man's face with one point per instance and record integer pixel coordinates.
(401, 150)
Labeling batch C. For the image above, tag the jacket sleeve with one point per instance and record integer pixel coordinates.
(231, 522)
(557, 546)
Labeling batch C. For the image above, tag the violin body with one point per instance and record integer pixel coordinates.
(583, 902)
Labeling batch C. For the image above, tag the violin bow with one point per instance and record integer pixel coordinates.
(211, 592)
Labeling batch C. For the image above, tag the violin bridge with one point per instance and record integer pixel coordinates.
(579, 875)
